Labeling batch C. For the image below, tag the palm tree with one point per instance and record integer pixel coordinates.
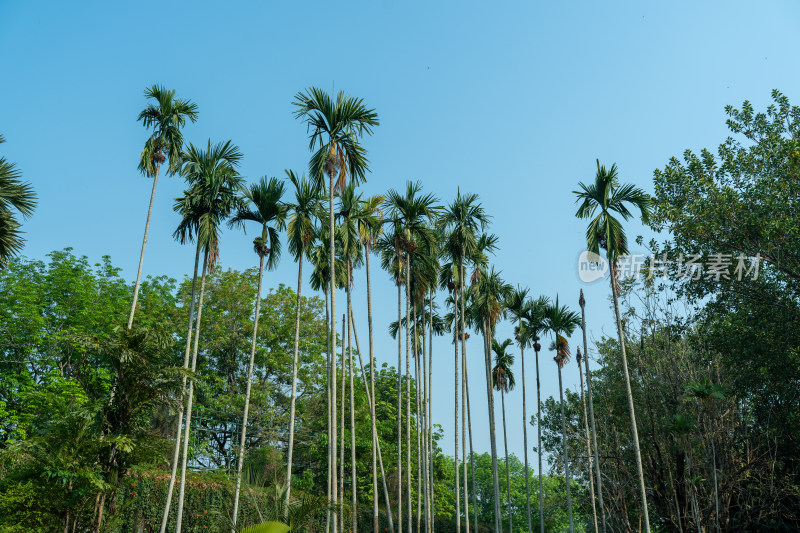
(369, 231)
(516, 305)
(262, 205)
(503, 380)
(336, 125)
(410, 212)
(582, 303)
(14, 195)
(210, 199)
(561, 322)
(608, 198)
(534, 315)
(301, 236)
(165, 115)
(490, 292)
(461, 222)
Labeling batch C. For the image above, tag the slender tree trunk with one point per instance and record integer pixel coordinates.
(426, 450)
(629, 393)
(144, 244)
(354, 482)
(464, 402)
(599, 479)
(455, 414)
(565, 452)
(408, 387)
(508, 474)
(539, 441)
(417, 383)
(464, 436)
(240, 462)
(375, 433)
(487, 336)
(332, 258)
(375, 510)
(525, 440)
(295, 366)
(471, 454)
(329, 497)
(177, 450)
(341, 434)
(399, 404)
(430, 412)
(588, 450)
(188, 421)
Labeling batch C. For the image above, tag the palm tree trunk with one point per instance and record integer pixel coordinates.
(177, 450)
(408, 387)
(539, 441)
(464, 435)
(426, 448)
(144, 244)
(464, 400)
(419, 418)
(455, 412)
(629, 393)
(375, 510)
(399, 407)
(375, 431)
(508, 475)
(599, 479)
(471, 454)
(247, 398)
(354, 482)
(588, 449)
(190, 398)
(487, 335)
(341, 434)
(430, 413)
(525, 440)
(565, 453)
(295, 365)
(329, 496)
(332, 264)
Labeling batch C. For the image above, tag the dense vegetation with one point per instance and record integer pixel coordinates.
(207, 405)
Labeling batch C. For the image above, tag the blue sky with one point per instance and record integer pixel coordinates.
(512, 101)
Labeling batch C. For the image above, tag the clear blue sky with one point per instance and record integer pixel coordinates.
(513, 102)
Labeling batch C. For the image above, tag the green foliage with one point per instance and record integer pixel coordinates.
(16, 196)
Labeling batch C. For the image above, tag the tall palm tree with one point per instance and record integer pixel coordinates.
(261, 203)
(370, 227)
(534, 323)
(561, 322)
(598, 478)
(211, 198)
(503, 380)
(165, 115)
(516, 305)
(460, 223)
(489, 293)
(609, 199)
(410, 212)
(301, 236)
(336, 125)
(15, 195)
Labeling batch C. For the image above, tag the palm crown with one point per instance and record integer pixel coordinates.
(335, 126)
(166, 115)
(300, 230)
(261, 203)
(561, 322)
(502, 376)
(607, 196)
(15, 195)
